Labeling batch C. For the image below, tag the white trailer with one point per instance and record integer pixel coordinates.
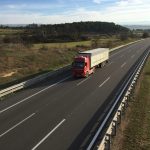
(97, 56)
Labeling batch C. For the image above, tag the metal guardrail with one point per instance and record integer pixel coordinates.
(30, 82)
(116, 119)
(39, 78)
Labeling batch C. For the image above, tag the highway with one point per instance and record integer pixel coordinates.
(59, 113)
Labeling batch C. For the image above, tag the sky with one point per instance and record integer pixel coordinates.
(125, 12)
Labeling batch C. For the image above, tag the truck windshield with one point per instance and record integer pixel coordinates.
(78, 64)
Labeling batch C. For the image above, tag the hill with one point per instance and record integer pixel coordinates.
(69, 31)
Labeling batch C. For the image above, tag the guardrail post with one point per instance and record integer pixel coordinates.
(123, 109)
(126, 101)
(114, 128)
(107, 142)
(119, 117)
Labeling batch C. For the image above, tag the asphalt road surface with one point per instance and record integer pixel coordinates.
(58, 113)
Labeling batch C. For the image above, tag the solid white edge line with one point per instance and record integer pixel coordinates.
(16, 125)
(37, 145)
(33, 95)
(104, 82)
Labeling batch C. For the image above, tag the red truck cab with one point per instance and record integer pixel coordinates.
(81, 66)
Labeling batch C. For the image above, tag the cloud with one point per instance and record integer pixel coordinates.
(69, 16)
(123, 11)
(130, 11)
(13, 6)
(128, 2)
(97, 1)
(31, 6)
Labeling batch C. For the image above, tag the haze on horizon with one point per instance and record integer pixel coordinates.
(127, 12)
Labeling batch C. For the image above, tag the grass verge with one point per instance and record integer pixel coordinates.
(134, 132)
(18, 60)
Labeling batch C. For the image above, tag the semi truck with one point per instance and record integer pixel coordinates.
(86, 62)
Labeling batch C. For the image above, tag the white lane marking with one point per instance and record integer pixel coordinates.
(33, 95)
(123, 64)
(132, 56)
(37, 145)
(17, 125)
(83, 81)
(104, 82)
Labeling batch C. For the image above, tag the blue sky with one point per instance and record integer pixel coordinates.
(62, 11)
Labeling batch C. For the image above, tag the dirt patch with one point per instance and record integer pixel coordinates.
(5, 75)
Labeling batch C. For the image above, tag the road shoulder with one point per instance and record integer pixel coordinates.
(134, 132)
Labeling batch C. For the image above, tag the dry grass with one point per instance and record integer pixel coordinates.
(10, 31)
(27, 60)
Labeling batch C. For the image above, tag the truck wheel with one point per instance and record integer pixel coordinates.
(102, 65)
(99, 65)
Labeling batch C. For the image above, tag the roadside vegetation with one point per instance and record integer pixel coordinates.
(30, 50)
(134, 133)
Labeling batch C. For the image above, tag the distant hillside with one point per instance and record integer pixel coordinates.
(143, 27)
(77, 31)
(70, 31)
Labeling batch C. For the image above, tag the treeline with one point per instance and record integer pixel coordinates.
(76, 31)
(70, 31)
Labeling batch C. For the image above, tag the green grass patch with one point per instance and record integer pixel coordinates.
(62, 45)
